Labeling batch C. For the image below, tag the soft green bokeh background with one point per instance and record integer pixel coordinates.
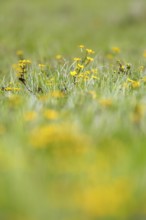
(47, 27)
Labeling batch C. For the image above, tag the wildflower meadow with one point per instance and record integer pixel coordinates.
(73, 110)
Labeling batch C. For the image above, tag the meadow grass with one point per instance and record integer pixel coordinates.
(73, 110)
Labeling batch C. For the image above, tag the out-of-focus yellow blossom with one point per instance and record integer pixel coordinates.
(95, 71)
(14, 89)
(106, 199)
(63, 134)
(77, 59)
(144, 79)
(106, 102)
(144, 53)
(87, 72)
(58, 57)
(94, 77)
(81, 46)
(50, 114)
(134, 84)
(44, 98)
(93, 94)
(24, 62)
(90, 59)
(30, 116)
(80, 66)
(57, 94)
(20, 53)
(15, 100)
(109, 56)
(90, 51)
(138, 113)
(42, 66)
(116, 49)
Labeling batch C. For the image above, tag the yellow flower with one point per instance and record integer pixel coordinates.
(65, 137)
(87, 72)
(57, 94)
(81, 46)
(93, 94)
(58, 57)
(42, 66)
(73, 73)
(80, 66)
(135, 84)
(12, 89)
(50, 114)
(106, 199)
(138, 113)
(30, 116)
(94, 77)
(95, 71)
(105, 102)
(144, 54)
(90, 51)
(77, 59)
(19, 53)
(144, 79)
(24, 62)
(90, 59)
(116, 49)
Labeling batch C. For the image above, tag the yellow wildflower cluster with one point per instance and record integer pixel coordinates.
(106, 199)
(133, 83)
(80, 70)
(59, 135)
(21, 67)
(12, 89)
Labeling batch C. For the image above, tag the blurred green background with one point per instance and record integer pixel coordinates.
(48, 27)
